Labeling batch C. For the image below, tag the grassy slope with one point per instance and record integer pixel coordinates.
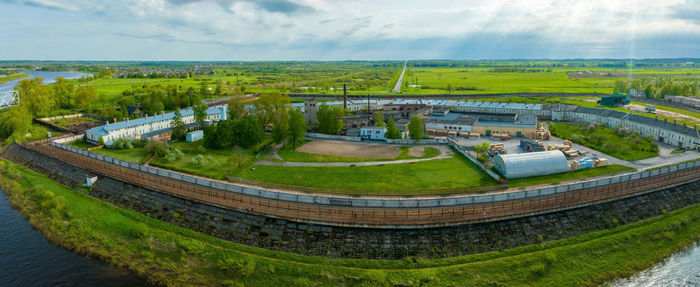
(605, 140)
(297, 156)
(561, 177)
(440, 175)
(5, 79)
(170, 255)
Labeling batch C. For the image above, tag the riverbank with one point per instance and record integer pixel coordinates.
(169, 255)
(5, 79)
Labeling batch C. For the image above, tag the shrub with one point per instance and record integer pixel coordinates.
(199, 160)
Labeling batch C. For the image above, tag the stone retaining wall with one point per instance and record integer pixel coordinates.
(348, 242)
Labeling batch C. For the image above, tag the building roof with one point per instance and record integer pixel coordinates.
(476, 104)
(602, 112)
(531, 164)
(520, 121)
(661, 124)
(372, 128)
(105, 129)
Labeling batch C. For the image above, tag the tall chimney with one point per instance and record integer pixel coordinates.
(345, 97)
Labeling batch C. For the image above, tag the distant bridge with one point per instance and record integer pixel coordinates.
(9, 99)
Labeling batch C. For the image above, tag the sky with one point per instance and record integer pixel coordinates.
(233, 30)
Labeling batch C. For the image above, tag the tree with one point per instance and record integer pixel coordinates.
(415, 128)
(249, 131)
(178, 125)
(39, 99)
(330, 119)
(200, 113)
(84, 95)
(619, 87)
(392, 132)
(236, 108)
(15, 123)
(379, 119)
(297, 126)
(64, 93)
(280, 125)
(268, 104)
(238, 156)
(450, 88)
(103, 99)
(217, 92)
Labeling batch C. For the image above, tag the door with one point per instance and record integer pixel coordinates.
(488, 132)
(518, 134)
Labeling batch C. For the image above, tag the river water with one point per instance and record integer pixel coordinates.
(49, 78)
(682, 269)
(29, 259)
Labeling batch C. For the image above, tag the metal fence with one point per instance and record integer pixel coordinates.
(391, 202)
(375, 212)
(333, 137)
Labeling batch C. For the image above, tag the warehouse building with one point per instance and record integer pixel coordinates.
(531, 164)
(155, 126)
(483, 123)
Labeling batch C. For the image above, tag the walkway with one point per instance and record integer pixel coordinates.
(445, 152)
(397, 87)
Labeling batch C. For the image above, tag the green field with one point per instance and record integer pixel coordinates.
(627, 146)
(426, 177)
(561, 177)
(482, 81)
(169, 255)
(135, 155)
(6, 78)
(296, 156)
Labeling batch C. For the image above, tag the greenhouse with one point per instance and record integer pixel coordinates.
(531, 164)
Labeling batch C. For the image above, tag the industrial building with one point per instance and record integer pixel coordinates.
(483, 123)
(531, 164)
(614, 100)
(311, 107)
(150, 126)
(373, 133)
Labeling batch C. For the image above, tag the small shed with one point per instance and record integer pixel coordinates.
(373, 133)
(194, 136)
(531, 164)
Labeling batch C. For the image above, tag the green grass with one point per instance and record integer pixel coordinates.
(571, 175)
(486, 82)
(80, 143)
(628, 146)
(5, 78)
(135, 155)
(426, 177)
(296, 156)
(169, 255)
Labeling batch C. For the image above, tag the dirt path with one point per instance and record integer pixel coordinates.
(416, 151)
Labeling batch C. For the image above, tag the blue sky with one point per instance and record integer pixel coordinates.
(347, 30)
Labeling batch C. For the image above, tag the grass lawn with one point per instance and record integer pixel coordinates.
(169, 255)
(296, 156)
(6, 78)
(630, 146)
(135, 155)
(219, 163)
(561, 177)
(80, 143)
(426, 177)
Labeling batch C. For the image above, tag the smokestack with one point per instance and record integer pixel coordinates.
(345, 97)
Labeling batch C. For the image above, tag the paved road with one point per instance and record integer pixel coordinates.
(397, 87)
(445, 152)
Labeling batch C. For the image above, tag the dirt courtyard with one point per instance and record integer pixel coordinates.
(349, 149)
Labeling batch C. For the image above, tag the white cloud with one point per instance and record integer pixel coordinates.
(286, 27)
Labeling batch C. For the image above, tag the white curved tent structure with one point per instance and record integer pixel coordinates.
(531, 164)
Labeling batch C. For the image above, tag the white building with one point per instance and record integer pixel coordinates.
(135, 128)
(373, 133)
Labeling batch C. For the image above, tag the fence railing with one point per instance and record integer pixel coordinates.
(385, 202)
(333, 137)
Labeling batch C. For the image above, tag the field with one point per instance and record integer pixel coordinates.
(6, 78)
(404, 153)
(135, 155)
(427, 177)
(571, 175)
(169, 255)
(626, 146)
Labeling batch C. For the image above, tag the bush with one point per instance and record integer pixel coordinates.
(123, 143)
(199, 160)
(173, 154)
